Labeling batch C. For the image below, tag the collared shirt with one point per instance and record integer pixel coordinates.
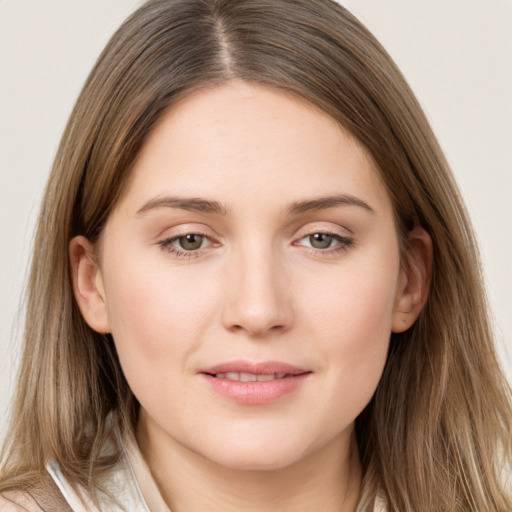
(131, 483)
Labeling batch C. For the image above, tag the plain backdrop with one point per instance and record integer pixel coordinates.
(456, 54)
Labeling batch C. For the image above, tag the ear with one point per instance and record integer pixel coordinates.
(414, 281)
(88, 284)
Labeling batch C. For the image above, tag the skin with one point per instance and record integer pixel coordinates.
(259, 289)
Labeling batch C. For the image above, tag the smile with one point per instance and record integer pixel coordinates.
(251, 383)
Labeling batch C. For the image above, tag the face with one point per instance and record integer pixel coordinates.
(251, 278)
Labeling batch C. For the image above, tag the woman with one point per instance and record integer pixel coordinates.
(254, 283)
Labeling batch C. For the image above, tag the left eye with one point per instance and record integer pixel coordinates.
(323, 240)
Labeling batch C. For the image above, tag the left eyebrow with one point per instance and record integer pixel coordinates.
(193, 204)
(323, 203)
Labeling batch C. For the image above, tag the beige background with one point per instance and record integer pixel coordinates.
(457, 55)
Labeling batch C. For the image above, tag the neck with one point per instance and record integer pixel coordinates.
(328, 479)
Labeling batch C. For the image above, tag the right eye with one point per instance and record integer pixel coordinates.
(187, 244)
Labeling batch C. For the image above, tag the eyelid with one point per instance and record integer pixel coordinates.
(183, 228)
(323, 227)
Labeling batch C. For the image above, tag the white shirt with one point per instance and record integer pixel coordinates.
(130, 482)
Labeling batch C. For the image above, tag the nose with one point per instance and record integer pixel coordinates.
(258, 301)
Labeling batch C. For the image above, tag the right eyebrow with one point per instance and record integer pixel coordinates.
(194, 204)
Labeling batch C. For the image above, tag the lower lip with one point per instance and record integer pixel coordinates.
(256, 393)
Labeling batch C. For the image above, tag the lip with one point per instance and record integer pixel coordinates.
(264, 367)
(255, 392)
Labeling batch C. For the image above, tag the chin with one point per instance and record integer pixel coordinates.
(268, 455)
(257, 461)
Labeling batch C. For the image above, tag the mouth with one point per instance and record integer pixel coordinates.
(250, 377)
(255, 383)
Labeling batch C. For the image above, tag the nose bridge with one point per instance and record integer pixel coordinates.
(258, 302)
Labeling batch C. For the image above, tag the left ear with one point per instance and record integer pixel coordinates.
(414, 282)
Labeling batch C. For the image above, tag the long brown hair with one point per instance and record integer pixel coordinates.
(436, 435)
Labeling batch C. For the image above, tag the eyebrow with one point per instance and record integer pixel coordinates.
(196, 204)
(193, 204)
(322, 203)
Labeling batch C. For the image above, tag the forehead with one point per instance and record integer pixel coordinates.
(253, 144)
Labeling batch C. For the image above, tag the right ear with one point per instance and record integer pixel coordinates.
(88, 284)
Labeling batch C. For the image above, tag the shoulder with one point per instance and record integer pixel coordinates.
(35, 499)
(18, 501)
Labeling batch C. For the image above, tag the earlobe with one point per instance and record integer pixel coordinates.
(414, 283)
(88, 284)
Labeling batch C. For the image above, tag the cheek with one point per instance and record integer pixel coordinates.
(353, 317)
(355, 300)
(157, 319)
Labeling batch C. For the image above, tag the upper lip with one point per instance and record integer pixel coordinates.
(256, 368)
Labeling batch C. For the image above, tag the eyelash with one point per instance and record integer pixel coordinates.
(183, 254)
(344, 244)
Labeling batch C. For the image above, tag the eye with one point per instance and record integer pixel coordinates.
(186, 245)
(190, 242)
(320, 240)
(325, 242)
